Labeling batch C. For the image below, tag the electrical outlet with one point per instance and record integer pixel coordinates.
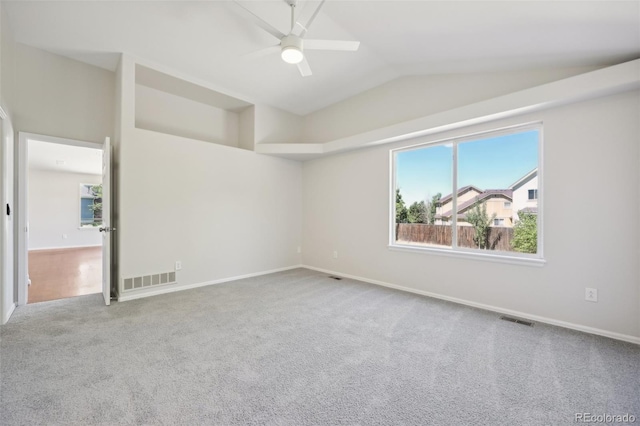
(299, 250)
(335, 254)
(591, 294)
(64, 236)
(178, 265)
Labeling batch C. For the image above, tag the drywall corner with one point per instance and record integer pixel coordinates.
(246, 128)
(273, 125)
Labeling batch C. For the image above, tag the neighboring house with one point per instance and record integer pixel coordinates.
(465, 193)
(525, 194)
(504, 203)
(498, 202)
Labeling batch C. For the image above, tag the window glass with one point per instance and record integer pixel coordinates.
(90, 205)
(423, 177)
(495, 206)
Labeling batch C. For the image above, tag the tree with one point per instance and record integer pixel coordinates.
(401, 208)
(417, 212)
(481, 223)
(96, 207)
(431, 208)
(525, 233)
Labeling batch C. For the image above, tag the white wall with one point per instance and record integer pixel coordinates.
(273, 125)
(57, 96)
(246, 131)
(221, 211)
(54, 210)
(62, 97)
(164, 112)
(591, 145)
(411, 97)
(7, 64)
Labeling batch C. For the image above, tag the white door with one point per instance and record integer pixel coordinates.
(106, 221)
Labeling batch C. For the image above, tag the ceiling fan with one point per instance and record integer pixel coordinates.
(293, 45)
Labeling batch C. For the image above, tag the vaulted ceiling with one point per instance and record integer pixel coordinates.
(209, 40)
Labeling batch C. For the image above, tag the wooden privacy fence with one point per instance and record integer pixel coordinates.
(499, 237)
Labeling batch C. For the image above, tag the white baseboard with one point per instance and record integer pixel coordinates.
(63, 248)
(132, 295)
(564, 324)
(7, 315)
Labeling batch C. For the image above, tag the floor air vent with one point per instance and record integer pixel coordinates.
(517, 321)
(135, 283)
(333, 277)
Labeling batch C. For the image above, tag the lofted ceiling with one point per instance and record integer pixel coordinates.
(209, 40)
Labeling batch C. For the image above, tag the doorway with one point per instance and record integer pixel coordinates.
(60, 253)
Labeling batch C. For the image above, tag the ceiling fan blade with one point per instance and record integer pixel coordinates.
(313, 17)
(261, 22)
(262, 52)
(331, 45)
(304, 68)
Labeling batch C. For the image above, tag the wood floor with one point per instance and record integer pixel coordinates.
(62, 273)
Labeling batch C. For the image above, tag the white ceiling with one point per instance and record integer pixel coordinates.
(64, 158)
(207, 40)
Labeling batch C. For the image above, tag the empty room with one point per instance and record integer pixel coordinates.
(320, 212)
(63, 197)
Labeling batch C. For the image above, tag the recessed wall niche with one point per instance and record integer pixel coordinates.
(170, 105)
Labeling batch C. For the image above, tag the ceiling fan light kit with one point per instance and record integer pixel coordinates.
(292, 49)
(292, 44)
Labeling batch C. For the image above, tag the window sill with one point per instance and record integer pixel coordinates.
(500, 258)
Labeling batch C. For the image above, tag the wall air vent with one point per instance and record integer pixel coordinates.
(517, 321)
(136, 283)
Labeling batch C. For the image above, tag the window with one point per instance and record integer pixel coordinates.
(90, 205)
(491, 210)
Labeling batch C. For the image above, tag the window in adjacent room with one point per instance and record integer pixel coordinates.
(90, 205)
(495, 207)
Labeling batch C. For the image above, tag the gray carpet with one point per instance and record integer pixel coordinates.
(297, 348)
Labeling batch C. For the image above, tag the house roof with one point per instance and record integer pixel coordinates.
(507, 194)
(524, 179)
(461, 191)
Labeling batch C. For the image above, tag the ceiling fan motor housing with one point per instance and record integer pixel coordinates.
(291, 48)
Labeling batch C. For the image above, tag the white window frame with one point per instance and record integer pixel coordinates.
(530, 259)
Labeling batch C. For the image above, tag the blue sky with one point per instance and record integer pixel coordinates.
(492, 163)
